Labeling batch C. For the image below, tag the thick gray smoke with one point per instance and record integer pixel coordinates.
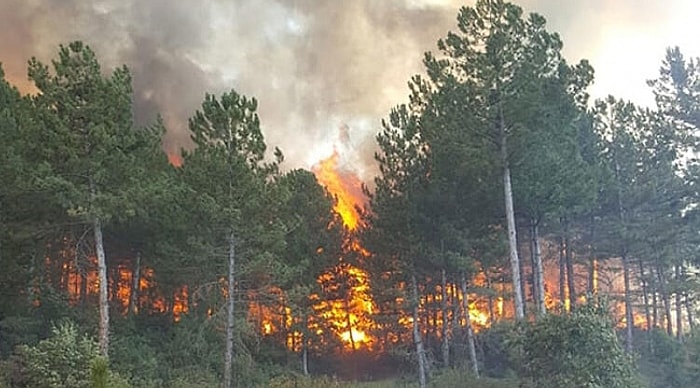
(314, 65)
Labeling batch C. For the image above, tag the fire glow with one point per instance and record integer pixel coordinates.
(344, 185)
(351, 315)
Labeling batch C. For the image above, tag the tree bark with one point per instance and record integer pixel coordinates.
(489, 285)
(538, 275)
(688, 306)
(83, 273)
(417, 338)
(679, 305)
(562, 273)
(468, 322)
(625, 264)
(104, 303)
(570, 278)
(510, 218)
(654, 302)
(628, 305)
(305, 356)
(524, 279)
(445, 322)
(593, 270)
(136, 277)
(665, 299)
(645, 296)
(228, 359)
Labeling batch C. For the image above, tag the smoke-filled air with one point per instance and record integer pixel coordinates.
(308, 193)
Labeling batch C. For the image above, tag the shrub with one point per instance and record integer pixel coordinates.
(454, 378)
(577, 350)
(62, 360)
(65, 359)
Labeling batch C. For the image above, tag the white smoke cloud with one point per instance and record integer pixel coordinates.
(317, 65)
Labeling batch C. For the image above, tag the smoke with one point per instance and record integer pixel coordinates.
(315, 66)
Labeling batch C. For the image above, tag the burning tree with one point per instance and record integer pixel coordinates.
(494, 97)
(314, 240)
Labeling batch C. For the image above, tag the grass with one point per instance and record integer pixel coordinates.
(445, 379)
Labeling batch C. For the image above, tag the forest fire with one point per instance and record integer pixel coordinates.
(344, 185)
(81, 283)
(346, 310)
(351, 313)
(344, 313)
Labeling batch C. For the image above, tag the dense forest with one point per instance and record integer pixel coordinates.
(517, 232)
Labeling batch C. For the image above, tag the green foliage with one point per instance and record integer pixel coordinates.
(579, 350)
(62, 360)
(70, 153)
(133, 357)
(192, 341)
(457, 378)
(99, 372)
(294, 380)
(666, 362)
(16, 330)
(497, 360)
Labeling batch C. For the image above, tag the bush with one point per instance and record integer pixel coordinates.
(497, 362)
(457, 378)
(580, 349)
(65, 359)
(666, 362)
(132, 356)
(62, 360)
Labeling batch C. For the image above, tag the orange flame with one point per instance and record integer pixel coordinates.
(351, 316)
(175, 159)
(344, 185)
(84, 283)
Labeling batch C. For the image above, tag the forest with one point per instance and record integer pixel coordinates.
(517, 233)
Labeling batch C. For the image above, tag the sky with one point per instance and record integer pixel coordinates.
(319, 68)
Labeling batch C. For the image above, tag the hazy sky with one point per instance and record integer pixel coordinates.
(318, 65)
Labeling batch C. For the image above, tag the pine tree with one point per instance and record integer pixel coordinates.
(93, 153)
(228, 173)
(498, 61)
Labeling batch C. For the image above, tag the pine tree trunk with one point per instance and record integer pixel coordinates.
(83, 285)
(470, 330)
(679, 305)
(593, 287)
(570, 278)
(562, 273)
(665, 299)
(489, 285)
(305, 357)
(691, 314)
(136, 277)
(417, 338)
(645, 296)
(512, 233)
(688, 306)
(654, 302)
(625, 266)
(445, 322)
(228, 359)
(538, 275)
(532, 279)
(104, 303)
(113, 273)
(524, 280)
(593, 270)
(628, 305)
